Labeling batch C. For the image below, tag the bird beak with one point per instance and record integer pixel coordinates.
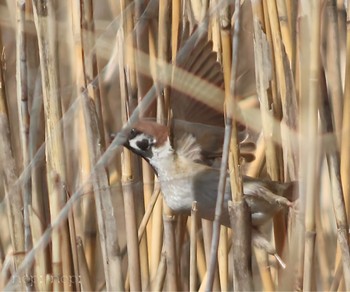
(126, 144)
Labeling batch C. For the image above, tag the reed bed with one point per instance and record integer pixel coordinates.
(80, 212)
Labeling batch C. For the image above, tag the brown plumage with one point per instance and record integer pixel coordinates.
(184, 177)
(159, 132)
(183, 155)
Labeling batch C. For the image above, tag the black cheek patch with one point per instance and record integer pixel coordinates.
(143, 145)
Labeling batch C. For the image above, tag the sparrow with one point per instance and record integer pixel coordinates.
(185, 177)
(184, 155)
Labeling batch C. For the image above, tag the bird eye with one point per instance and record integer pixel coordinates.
(133, 133)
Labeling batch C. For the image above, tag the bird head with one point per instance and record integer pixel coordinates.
(150, 140)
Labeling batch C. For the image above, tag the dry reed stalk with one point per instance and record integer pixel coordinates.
(162, 55)
(289, 101)
(170, 250)
(239, 211)
(108, 233)
(303, 73)
(157, 237)
(158, 281)
(44, 21)
(90, 62)
(215, 30)
(78, 63)
(207, 229)
(193, 248)
(212, 262)
(274, 82)
(256, 166)
(84, 276)
(146, 218)
(287, 94)
(57, 264)
(263, 69)
(127, 67)
(144, 82)
(175, 27)
(90, 235)
(143, 242)
(321, 251)
(128, 195)
(196, 8)
(223, 259)
(148, 190)
(203, 284)
(39, 208)
(337, 277)
(82, 76)
(156, 241)
(333, 63)
(212, 256)
(345, 139)
(13, 199)
(162, 113)
(263, 75)
(309, 102)
(286, 98)
(42, 258)
(143, 30)
(338, 18)
(285, 25)
(276, 101)
(91, 74)
(23, 113)
(3, 275)
(292, 11)
(201, 263)
(148, 172)
(130, 66)
(144, 198)
(188, 15)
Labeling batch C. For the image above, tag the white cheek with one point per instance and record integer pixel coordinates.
(139, 138)
(132, 144)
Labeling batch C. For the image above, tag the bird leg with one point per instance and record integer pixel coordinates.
(261, 242)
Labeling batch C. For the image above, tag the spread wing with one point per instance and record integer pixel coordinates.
(191, 114)
(197, 58)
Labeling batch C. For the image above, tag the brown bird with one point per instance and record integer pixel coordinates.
(184, 177)
(184, 156)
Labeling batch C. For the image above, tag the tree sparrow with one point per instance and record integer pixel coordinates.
(184, 160)
(184, 177)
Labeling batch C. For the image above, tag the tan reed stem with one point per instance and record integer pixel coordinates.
(309, 131)
(129, 199)
(193, 248)
(44, 17)
(13, 199)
